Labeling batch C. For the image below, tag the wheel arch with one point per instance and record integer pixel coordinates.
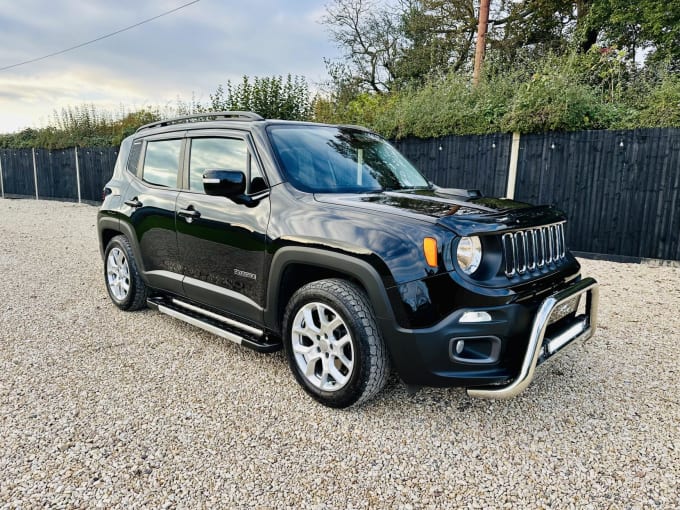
(293, 267)
(109, 228)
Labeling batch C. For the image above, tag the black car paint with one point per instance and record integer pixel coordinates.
(374, 239)
(222, 253)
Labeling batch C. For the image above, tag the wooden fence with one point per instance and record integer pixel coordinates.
(78, 175)
(620, 189)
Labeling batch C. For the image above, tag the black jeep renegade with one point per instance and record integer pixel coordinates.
(325, 241)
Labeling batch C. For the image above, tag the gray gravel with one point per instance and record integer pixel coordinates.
(104, 408)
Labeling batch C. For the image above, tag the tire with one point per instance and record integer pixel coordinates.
(333, 345)
(124, 284)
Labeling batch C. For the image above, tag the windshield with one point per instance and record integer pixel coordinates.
(324, 159)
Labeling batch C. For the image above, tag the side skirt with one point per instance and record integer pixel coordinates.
(225, 327)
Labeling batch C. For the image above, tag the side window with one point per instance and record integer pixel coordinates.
(215, 154)
(161, 162)
(133, 159)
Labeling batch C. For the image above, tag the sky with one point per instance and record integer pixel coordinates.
(184, 54)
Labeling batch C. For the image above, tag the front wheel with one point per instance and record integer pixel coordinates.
(333, 344)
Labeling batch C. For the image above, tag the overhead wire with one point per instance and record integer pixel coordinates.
(60, 52)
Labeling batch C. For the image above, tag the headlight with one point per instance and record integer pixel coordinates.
(469, 253)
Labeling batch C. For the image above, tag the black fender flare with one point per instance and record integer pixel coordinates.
(122, 227)
(359, 269)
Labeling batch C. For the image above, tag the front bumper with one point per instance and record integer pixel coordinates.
(519, 337)
(541, 346)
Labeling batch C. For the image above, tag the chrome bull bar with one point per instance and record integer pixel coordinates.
(541, 347)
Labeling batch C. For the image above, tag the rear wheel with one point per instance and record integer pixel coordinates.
(123, 282)
(333, 344)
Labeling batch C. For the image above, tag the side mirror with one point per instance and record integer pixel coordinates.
(224, 183)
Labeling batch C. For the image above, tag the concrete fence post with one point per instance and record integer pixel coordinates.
(77, 174)
(35, 174)
(512, 169)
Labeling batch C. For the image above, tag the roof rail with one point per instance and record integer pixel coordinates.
(207, 116)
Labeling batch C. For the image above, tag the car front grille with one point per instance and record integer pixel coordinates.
(534, 249)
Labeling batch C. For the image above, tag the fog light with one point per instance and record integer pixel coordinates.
(469, 317)
(475, 350)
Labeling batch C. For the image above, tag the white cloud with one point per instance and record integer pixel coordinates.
(32, 100)
(191, 51)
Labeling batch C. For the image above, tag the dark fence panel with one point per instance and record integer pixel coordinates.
(17, 172)
(56, 170)
(470, 162)
(620, 189)
(96, 168)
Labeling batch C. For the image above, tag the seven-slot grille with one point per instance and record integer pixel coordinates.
(533, 249)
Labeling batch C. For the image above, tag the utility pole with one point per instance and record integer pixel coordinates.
(481, 39)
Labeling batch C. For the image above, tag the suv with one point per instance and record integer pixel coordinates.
(325, 241)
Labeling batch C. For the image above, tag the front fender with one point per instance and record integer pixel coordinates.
(358, 269)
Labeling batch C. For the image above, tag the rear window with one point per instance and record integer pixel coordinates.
(133, 159)
(161, 162)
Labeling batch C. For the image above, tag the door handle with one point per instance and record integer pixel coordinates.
(135, 203)
(189, 213)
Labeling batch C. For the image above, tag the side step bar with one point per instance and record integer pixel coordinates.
(232, 330)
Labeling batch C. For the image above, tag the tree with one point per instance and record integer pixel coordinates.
(529, 28)
(397, 43)
(439, 37)
(272, 97)
(388, 46)
(649, 25)
(371, 37)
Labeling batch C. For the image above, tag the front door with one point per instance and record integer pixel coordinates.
(222, 244)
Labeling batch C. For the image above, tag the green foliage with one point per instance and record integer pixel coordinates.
(596, 90)
(601, 89)
(272, 97)
(661, 107)
(392, 44)
(650, 24)
(437, 37)
(563, 94)
(442, 106)
(553, 103)
(82, 126)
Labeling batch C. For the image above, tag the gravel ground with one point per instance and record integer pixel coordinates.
(102, 408)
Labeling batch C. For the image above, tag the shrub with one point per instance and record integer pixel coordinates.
(554, 103)
(661, 107)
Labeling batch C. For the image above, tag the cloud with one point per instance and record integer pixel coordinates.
(189, 52)
(33, 101)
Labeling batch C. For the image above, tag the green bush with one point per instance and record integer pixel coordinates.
(553, 103)
(442, 106)
(597, 90)
(661, 107)
(82, 126)
(272, 97)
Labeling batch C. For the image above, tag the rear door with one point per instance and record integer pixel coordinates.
(150, 202)
(222, 244)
